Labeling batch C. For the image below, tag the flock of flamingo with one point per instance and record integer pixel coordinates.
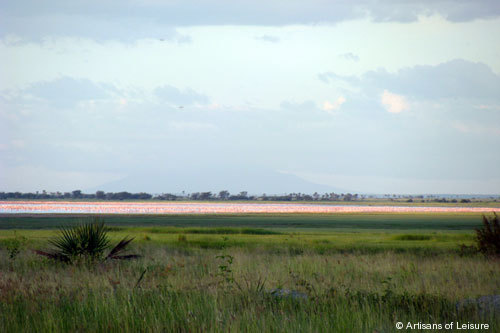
(67, 207)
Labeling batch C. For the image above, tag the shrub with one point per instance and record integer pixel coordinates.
(488, 237)
(86, 242)
(14, 246)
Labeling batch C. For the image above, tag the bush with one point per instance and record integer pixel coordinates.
(14, 246)
(488, 238)
(86, 242)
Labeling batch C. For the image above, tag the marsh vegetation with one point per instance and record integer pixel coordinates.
(221, 278)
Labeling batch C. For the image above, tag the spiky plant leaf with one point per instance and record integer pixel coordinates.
(126, 257)
(55, 256)
(120, 248)
(93, 239)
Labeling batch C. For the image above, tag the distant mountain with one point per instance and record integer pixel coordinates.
(234, 180)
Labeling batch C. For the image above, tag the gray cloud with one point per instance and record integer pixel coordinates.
(349, 56)
(66, 92)
(453, 79)
(145, 140)
(175, 96)
(155, 19)
(328, 77)
(126, 29)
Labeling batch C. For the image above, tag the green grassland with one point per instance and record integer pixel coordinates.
(318, 222)
(215, 273)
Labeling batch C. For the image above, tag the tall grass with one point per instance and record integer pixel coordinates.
(181, 289)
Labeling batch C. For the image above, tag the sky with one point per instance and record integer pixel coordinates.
(362, 96)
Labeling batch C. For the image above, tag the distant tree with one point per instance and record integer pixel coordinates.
(143, 196)
(348, 197)
(167, 196)
(205, 196)
(122, 196)
(334, 196)
(76, 194)
(100, 195)
(224, 195)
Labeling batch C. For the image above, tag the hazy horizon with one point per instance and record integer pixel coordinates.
(272, 97)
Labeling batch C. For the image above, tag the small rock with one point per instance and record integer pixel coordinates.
(287, 293)
(486, 305)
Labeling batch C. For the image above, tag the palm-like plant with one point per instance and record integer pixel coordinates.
(88, 242)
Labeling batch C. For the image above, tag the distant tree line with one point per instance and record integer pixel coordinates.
(196, 196)
(223, 196)
(77, 194)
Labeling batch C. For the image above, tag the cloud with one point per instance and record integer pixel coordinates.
(31, 178)
(38, 26)
(115, 19)
(175, 96)
(474, 128)
(349, 56)
(329, 107)
(328, 77)
(394, 103)
(183, 39)
(455, 79)
(268, 38)
(406, 185)
(65, 92)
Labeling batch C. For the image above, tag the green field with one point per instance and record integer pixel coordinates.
(356, 273)
(318, 222)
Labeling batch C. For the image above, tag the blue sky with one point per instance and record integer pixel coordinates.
(273, 96)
